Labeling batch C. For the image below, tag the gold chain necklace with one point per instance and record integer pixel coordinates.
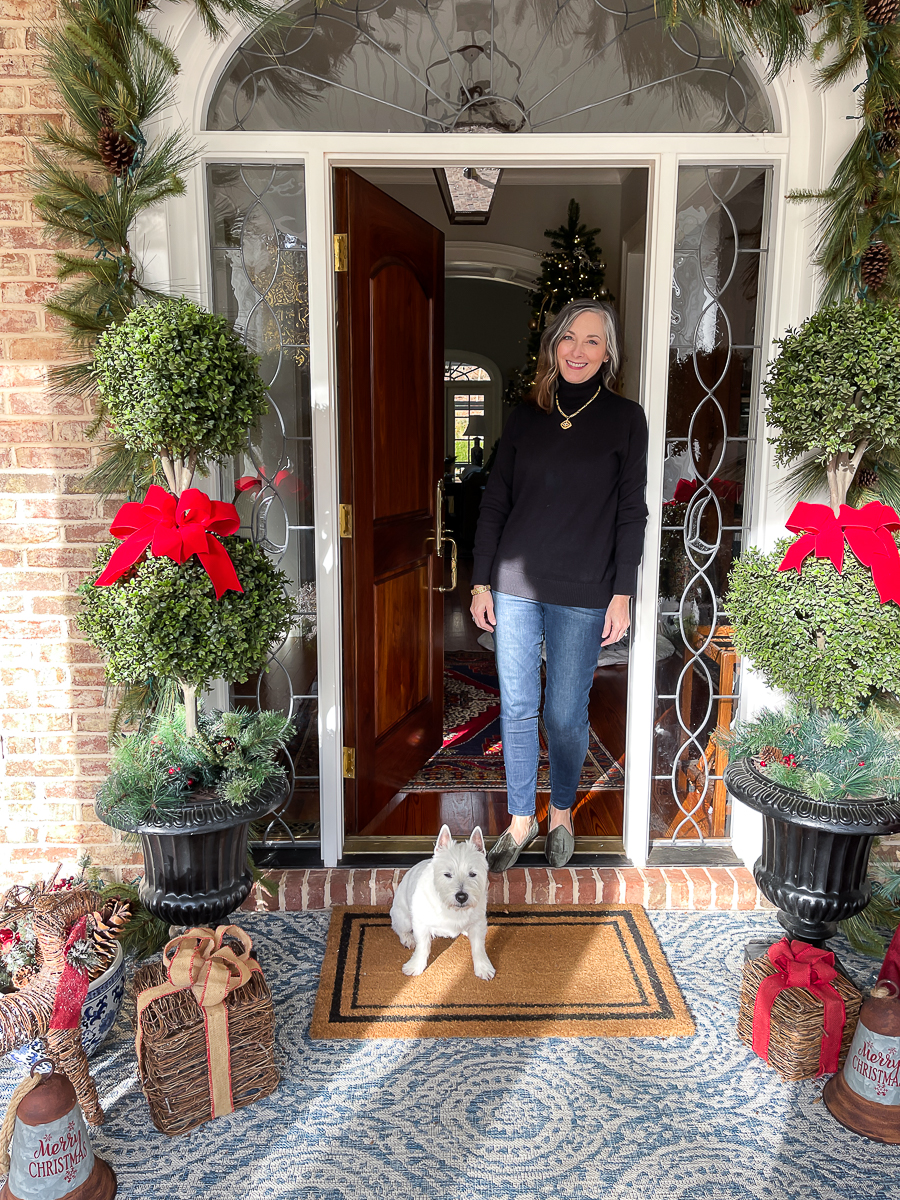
(567, 423)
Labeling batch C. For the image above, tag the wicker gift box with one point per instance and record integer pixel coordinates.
(171, 1040)
(796, 1023)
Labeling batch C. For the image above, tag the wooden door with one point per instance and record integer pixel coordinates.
(390, 338)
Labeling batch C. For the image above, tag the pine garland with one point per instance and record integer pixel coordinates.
(860, 208)
(101, 169)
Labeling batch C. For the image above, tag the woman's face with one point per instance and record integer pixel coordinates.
(582, 350)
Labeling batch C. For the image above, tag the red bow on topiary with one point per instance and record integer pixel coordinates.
(868, 532)
(175, 527)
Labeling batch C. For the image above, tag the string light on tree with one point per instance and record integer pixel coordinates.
(572, 270)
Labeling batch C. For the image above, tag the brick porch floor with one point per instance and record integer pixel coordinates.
(699, 889)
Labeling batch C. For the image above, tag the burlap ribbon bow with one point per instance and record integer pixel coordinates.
(199, 960)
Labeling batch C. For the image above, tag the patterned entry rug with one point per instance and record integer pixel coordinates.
(563, 970)
(471, 758)
(645, 1118)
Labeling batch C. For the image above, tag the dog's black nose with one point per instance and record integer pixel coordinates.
(462, 897)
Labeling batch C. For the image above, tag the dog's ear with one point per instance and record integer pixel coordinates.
(476, 839)
(444, 839)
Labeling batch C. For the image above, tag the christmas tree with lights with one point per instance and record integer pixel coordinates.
(572, 270)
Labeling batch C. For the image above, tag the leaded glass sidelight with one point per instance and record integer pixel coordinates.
(439, 66)
(714, 366)
(257, 221)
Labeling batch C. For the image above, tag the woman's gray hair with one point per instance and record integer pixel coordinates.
(548, 367)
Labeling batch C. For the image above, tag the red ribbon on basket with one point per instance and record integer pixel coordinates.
(802, 966)
(868, 532)
(175, 527)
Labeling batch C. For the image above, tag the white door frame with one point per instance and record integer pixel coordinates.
(173, 245)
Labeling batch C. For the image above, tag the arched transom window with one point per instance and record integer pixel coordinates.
(441, 66)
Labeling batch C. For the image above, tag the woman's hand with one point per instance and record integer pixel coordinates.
(482, 610)
(618, 618)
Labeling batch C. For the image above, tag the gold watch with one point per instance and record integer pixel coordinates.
(480, 587)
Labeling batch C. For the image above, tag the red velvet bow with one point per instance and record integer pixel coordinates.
(800, 965)
(725, 489)
(175, 527)
(72, 987)
(868, 534)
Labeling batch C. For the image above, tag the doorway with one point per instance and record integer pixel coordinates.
(488, 274)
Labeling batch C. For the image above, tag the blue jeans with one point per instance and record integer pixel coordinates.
(572, 637)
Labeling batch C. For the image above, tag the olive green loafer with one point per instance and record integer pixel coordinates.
(506, 849)
(559, 846)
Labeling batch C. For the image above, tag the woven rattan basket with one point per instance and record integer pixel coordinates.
(797, 1020)
(173, 1062)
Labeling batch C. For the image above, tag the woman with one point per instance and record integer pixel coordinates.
(557, 549)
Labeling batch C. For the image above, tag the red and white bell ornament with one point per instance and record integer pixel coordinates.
(50, 1157)
(865, 1095)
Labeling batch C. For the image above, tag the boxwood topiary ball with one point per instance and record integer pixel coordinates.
(172, 375)
(165, 621)
(822, 637)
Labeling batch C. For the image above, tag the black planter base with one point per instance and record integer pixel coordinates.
(815, 854)
(195, 859)
(195, 878)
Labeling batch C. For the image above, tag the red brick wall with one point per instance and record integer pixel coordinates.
(52, 719)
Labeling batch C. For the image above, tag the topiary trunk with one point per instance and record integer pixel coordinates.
(840, 470)
(190, 708)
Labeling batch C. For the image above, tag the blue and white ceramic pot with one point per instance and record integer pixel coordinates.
(101, 1007)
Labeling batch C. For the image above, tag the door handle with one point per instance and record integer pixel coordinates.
(441, 540)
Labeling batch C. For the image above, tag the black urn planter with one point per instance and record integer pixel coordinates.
(195, 858)
(815, 853)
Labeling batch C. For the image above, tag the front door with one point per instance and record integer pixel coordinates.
(390, 339)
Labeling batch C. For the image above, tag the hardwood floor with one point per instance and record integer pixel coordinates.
(422, 813)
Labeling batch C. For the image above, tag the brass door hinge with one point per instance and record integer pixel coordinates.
(345, 520)
(349, 763)
(341, 251)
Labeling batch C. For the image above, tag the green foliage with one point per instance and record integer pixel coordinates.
(870, 930)
(572, 270)
(822, 754)
(159, 768)
(822, 637)
(164, 622)
(836, 382)
(176, 379)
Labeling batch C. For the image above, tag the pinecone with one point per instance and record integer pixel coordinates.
(770, 754)
(874, 265)
(754, 3)
(802, 7)
(867, 478)
(890, 117)
(888, 142)
(881, 12)
(105, 929)
(23, 977)
(116, 150)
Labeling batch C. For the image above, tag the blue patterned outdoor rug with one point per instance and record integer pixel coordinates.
(503, 1119)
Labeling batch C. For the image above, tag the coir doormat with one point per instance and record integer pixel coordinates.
(562, 971)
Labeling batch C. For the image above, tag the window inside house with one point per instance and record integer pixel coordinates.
(467, 413)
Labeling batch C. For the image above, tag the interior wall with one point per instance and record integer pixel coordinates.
(522, 211)
(489, 317)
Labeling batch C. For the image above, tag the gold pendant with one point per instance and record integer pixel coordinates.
(566, 424)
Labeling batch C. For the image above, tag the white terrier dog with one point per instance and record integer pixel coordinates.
(445, 896)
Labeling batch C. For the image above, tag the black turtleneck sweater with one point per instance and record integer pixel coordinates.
(563, 514)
